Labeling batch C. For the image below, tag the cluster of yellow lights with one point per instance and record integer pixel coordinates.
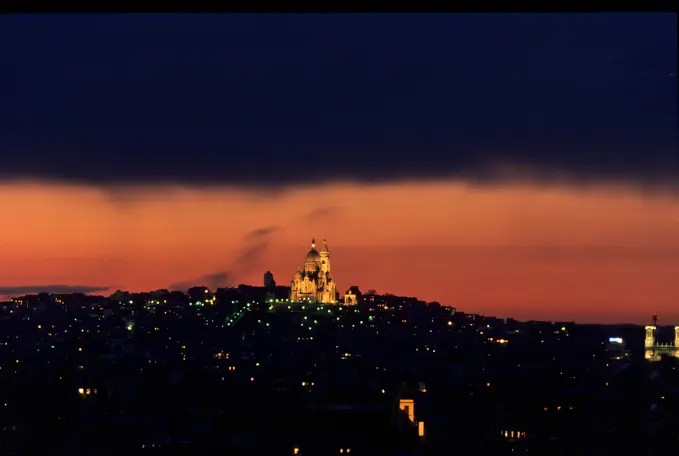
(498, 341)
(513, 434)
(558, 408)
(86, 391)
(295, 450)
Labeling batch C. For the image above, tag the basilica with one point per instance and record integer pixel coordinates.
(314, 283)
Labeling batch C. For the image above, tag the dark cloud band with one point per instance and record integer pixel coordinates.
(271, 102)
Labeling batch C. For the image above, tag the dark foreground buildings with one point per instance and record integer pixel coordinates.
(243, 371)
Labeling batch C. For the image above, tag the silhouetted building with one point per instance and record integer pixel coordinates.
(269, 285)
(353, 296)
(200, 295)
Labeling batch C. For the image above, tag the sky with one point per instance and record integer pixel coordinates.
(522, 166)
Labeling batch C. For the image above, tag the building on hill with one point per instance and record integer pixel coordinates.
(314, 283)
(654, 350)
(353, 296)
(269, 285)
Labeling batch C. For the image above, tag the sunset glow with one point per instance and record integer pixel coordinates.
(602, 254)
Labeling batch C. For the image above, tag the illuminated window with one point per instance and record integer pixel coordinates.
(408, 406)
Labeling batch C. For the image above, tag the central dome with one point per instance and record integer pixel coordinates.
(313, 256)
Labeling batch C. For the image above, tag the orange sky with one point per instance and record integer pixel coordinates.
(602, 254)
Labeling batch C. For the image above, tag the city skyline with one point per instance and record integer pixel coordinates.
(488, 171)
(453, 274)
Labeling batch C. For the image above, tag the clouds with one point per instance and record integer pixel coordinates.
(54, 289)
(255, 244)
(183, 99)
(212, 281)
(261, 233)
(323, 213)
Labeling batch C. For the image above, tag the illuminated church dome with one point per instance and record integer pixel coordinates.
(313, 256)
(315, 284)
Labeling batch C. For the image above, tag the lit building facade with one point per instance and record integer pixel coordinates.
(314, 283)
(352, 296)
(655, 350)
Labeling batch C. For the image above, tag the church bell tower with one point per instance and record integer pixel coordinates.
(325, 257)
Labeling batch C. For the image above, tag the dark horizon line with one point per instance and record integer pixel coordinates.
(554, 321)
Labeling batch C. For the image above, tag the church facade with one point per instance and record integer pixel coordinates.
(654, 350)
(314, 283)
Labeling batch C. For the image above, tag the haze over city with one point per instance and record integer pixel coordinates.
(516, 166)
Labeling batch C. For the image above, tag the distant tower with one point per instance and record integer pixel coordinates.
(269, 282)
(325, 257)
(655, 351)
(269, 285)
(649, 342)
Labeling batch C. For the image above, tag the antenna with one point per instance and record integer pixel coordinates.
(655, 319)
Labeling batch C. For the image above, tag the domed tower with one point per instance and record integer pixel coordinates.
(329, 287)
(312, 262)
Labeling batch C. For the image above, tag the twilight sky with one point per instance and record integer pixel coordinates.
(513, 165)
